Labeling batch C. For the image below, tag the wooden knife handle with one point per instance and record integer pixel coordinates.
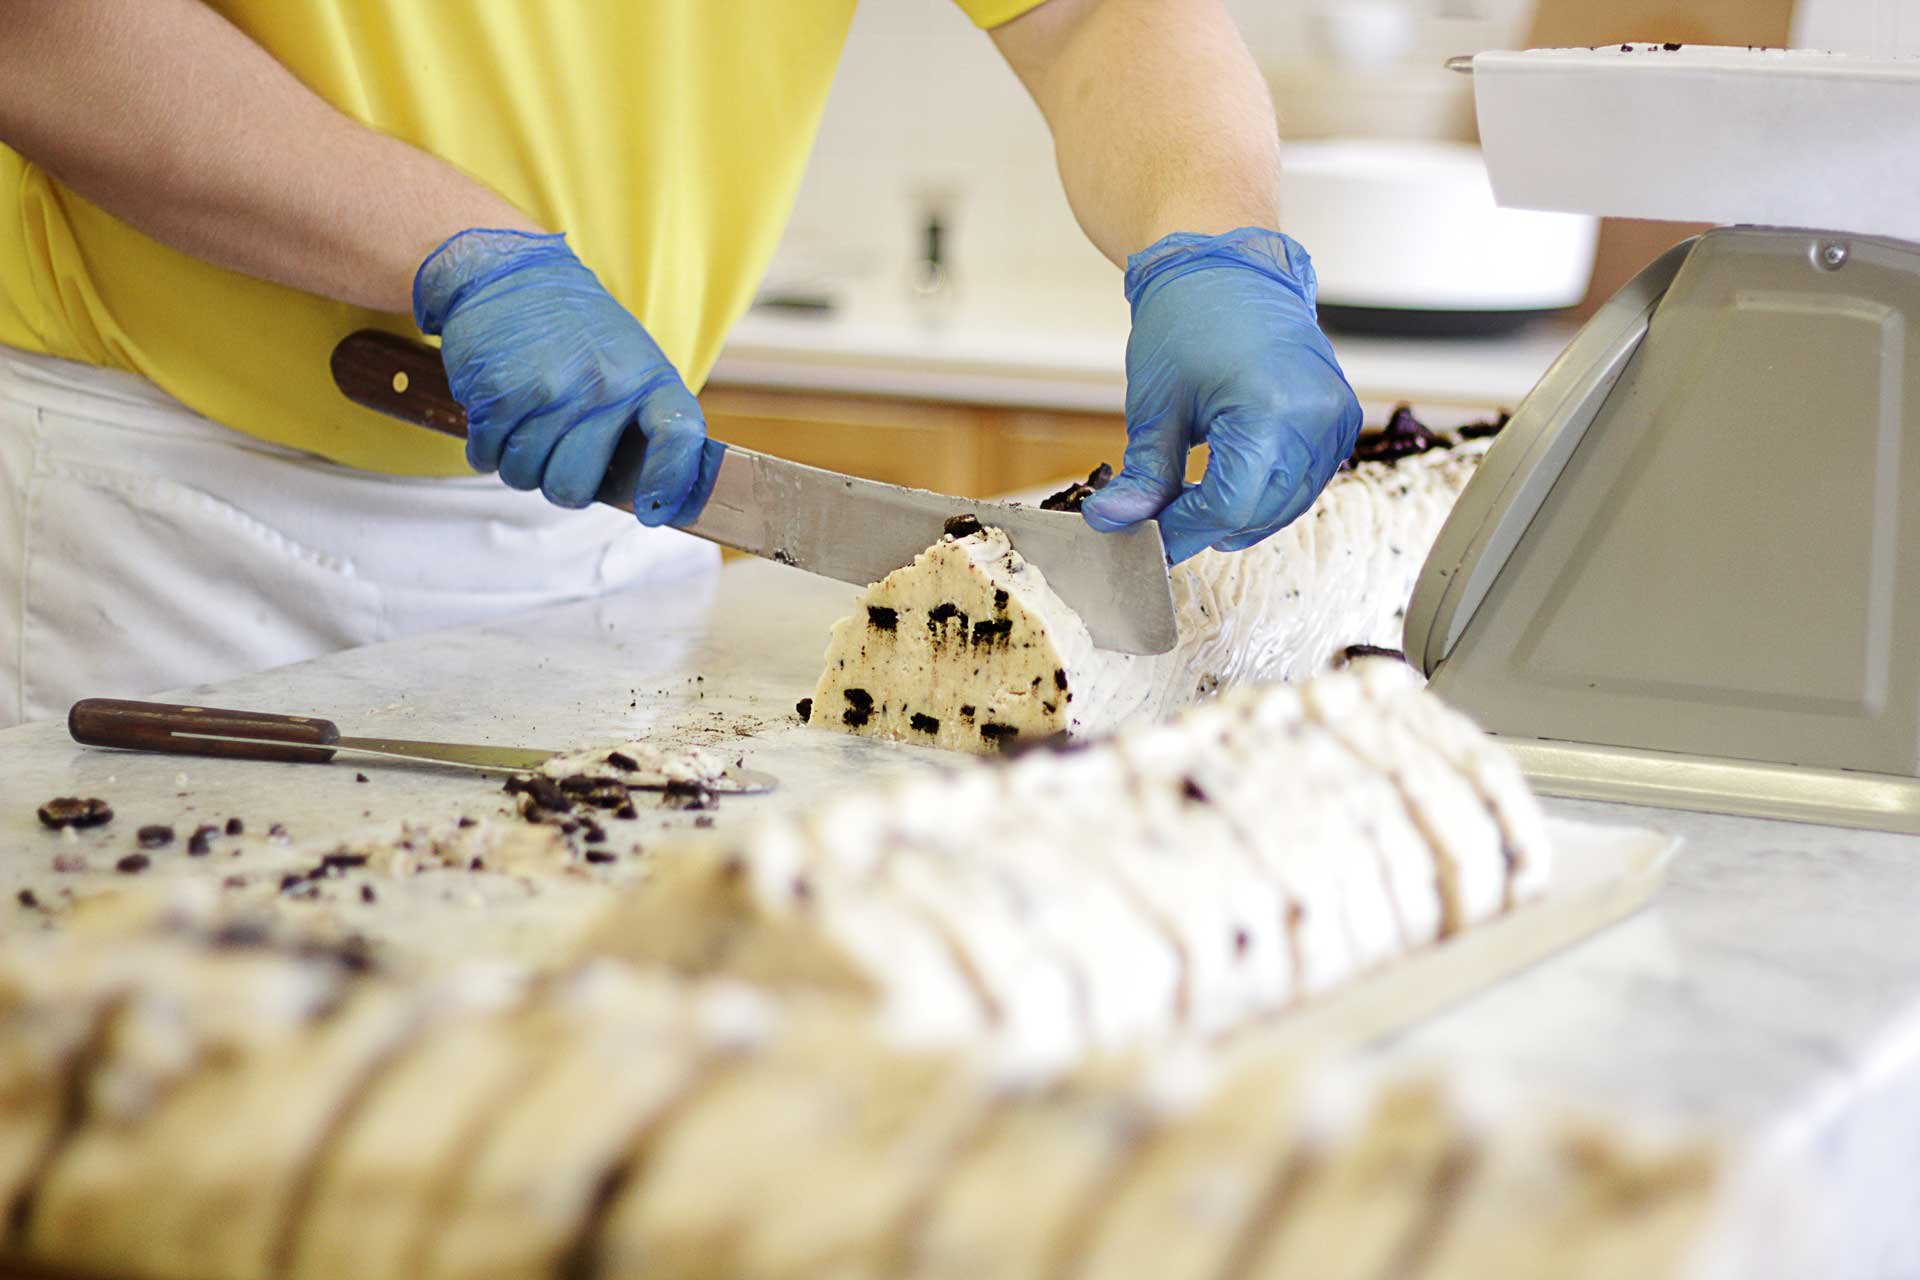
(398, 377)
(157, 726)
(405, 379)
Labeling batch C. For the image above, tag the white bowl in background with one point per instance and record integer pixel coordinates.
(1406, 238)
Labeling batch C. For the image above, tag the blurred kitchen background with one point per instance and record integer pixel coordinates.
(935, 317)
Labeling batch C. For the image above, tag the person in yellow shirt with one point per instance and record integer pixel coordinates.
(199, 198)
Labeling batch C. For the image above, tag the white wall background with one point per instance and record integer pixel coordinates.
(924, 112)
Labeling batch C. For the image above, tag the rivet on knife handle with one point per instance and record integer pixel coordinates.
(405, 379)
(177, 730)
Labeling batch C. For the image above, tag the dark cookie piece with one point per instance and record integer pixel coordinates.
(235, 826)
(1356, 652)
(72, 811)
(992, 630)
(200, 843)
(961, 526)
(1075, 495)
(1482, 430)
(541, 791)
(691, 795)
(1000, 600)
(1000, 735)
(27, 899)
(924, 723)
(1404, 436)
(625, 763)
(859, 708)
(367, 894)
(599, 857)
(882, 619)
(133, 864)
(156, 836)
(1058, 743)
(805, 709)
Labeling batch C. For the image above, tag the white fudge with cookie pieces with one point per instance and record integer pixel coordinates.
(968, 648)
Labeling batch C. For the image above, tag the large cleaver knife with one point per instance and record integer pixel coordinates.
(835, 525)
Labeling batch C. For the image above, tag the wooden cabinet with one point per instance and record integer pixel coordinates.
(976, 451)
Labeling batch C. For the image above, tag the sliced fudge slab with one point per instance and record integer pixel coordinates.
(384, 1178)
(203, 1185)
(1284, 610)
(1358, 1203)
(1060, 888)
(1195, 859)
(1389, 897)
(1180, 1210)
(1016, 1202)
(728, 1185)
(1587, 1201)
(55, 1001)
(105, 1027)
(1341, 917)
(626, 1049)
(1035, 998)
(1393, 688)
(1468, 843)
(966, 648)
(765, 911)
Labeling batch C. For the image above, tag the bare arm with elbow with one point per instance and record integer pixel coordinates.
(168, 117)
(171, 119)
(1170, 155)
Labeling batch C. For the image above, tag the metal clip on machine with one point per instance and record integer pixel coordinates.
(1688, 573)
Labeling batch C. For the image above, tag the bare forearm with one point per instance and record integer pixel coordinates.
(1161, 121)
(171, 119)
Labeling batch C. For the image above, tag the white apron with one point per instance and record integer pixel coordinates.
(144, 547)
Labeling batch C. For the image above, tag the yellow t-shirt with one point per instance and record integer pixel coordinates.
(665, 137)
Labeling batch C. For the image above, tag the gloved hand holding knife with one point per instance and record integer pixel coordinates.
(551, 370)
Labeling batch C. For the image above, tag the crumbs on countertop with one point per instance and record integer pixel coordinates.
(73, 811)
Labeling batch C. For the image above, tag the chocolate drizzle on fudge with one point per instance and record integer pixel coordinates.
(1356, 652)
(1404, 436)
(1075, 495)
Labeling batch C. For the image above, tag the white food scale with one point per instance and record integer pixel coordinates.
(1688, 572)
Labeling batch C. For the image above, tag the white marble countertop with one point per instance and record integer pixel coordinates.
(1772, 990)
(1064, 347)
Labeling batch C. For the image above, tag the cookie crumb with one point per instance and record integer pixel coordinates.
(72, 811)
(804, 708)
(133, 864)
(156, 836)
(27, 899)
(236, 827)
(200, 843)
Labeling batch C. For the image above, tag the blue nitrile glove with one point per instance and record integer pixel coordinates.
(1226, 351)
(551, 370)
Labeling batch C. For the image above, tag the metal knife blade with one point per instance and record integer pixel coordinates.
(736, 780)
(836, 525)
(859, 531)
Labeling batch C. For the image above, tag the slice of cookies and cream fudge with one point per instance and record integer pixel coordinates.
(969, 649)
(966, 648)
(1255, 852)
